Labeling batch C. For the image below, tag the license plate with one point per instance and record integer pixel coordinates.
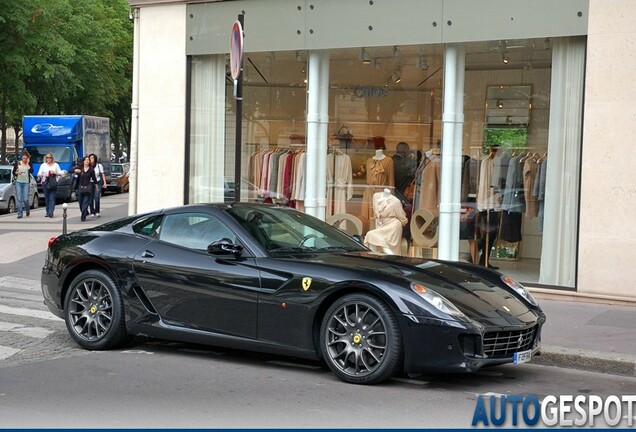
(522, 357)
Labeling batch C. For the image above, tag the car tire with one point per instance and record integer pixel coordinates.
(94, 312)
(360, 340)
(36, 201)
(12, 207)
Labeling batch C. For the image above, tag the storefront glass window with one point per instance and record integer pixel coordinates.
(520, 146)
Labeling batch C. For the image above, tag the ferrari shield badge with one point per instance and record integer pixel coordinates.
(306, 283)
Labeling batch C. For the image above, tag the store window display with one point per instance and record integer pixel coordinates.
(380, 173)
(404, 164)
(389, 219)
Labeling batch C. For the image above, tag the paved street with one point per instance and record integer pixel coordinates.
(47, 381)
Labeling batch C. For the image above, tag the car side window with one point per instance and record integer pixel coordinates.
(194, 230)
(148, 227)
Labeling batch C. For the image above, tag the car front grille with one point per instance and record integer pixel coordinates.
(503, 344)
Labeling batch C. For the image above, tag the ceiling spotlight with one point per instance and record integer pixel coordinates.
(546, 43)
(499, 104)
(396, 51)
(505, 59)
(421, 63)
(397, 76)
(364, 56)
(299, 56)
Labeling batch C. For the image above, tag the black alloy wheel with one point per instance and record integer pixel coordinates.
(360, 340)
(94, 311)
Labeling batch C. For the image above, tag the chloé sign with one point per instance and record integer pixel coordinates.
(365, 92)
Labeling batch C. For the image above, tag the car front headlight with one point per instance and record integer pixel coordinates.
(436, 300)
(520, 289)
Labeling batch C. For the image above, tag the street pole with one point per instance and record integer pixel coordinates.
(238, 88)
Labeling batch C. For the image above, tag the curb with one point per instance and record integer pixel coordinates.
(593, 361)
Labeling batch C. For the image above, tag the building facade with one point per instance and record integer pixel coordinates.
(504, 128)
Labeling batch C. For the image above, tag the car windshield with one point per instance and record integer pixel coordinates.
(5, 175)
(60, 153)
(116, 169)
(283, 231)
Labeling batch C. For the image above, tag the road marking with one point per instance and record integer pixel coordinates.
(20, 283)
(28, 313)
(34, 332)
(7, 326)
(6, 352)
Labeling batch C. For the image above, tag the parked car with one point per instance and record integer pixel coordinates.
(269, 278)
(8, 200)
(118, 181)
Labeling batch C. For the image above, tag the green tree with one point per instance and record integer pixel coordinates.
(65, 57)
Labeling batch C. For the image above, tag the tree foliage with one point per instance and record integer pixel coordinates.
(65, 57)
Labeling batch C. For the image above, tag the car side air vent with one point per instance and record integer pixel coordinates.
(144, 300)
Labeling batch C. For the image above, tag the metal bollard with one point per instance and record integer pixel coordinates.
(64, 207)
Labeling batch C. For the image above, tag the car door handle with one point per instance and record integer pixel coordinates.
(147, 254)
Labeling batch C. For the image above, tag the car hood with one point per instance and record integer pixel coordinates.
(471, 291)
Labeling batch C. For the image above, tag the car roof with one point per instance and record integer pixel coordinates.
(223, 205)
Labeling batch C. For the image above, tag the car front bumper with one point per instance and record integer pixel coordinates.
(434, 346)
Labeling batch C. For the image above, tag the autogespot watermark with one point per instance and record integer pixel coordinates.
(554, 410)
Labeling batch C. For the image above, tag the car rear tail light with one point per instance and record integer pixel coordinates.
(51, 240)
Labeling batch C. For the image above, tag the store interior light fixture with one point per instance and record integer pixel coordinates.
(364, 56)
(499, 104)
(397, 76)
(422, 63)
(504, 58)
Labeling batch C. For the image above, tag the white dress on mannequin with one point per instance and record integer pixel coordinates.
(389, 220)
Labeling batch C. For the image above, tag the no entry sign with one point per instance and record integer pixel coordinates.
(236, 49)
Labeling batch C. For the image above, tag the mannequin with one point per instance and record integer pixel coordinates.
(389, 220)
(380, 173)
(489, 206)
(379, 154)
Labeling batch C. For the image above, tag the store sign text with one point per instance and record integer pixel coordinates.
(365, 92)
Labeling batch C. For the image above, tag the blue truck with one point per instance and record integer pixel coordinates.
(69, 138)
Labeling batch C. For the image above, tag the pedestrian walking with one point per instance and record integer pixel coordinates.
(100, 175)
(47, 176)
(22, 171)
(86, 181)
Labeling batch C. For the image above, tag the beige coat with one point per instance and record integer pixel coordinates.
(389, 220)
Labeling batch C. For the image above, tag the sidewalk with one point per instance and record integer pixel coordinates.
(580, 334)
(585, 335)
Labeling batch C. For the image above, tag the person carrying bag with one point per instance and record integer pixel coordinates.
(86, 181)
(49, 170)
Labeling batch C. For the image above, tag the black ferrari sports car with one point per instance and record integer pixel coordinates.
(271, 279)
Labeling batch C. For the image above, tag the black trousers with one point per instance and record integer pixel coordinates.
(487, 228)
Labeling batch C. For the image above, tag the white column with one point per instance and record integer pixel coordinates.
(452, 130)
(317, 127)
(134, 120)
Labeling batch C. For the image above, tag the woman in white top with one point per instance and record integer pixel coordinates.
(101, 183)
(48, 173)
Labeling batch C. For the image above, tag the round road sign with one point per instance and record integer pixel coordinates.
(236, 49)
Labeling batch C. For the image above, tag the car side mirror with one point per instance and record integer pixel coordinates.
(224, 246)
(357, 238)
